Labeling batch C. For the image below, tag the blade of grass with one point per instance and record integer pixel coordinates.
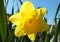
(3, 21)
(57, 13)
(57, 31)
(56, 25)
(12, 10)
(7, 3)
(20, 2)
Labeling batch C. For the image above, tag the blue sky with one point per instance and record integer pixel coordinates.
(50, 5)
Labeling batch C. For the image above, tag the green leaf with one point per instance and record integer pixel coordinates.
(7, 3)
(3, 21)
(20, 2)
(12, 10)
(57, 13)
(57, 25)
(57, 29)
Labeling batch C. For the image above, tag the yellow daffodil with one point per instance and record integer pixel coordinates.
(29, 21)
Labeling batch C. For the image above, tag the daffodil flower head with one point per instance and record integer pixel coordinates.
(29, 21)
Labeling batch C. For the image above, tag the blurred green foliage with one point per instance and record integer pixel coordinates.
(3, 22)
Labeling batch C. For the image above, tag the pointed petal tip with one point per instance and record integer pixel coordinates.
(32, 37)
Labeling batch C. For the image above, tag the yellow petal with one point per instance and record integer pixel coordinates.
(41, 11)
(19, 31)
(43, 26)
(27, 7)
(16, 18)
(32, 37)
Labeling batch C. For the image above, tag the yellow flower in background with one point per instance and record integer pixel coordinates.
(29, 21)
